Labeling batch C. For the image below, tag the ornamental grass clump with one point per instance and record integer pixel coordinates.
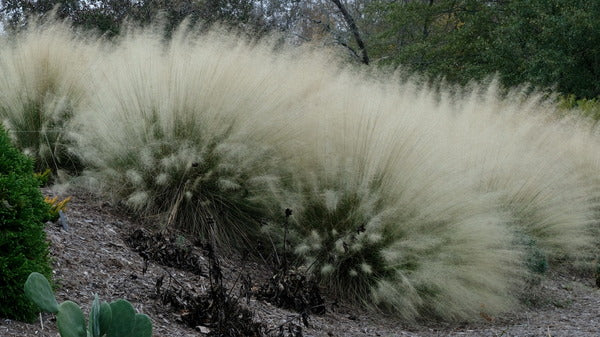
(44, 70)
(579, 143)
(518, 148)
(423, 202)
(380, 218)
(183, 130)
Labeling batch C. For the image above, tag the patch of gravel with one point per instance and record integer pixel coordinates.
(93, 258)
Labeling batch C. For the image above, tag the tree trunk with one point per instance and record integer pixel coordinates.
(350, 21)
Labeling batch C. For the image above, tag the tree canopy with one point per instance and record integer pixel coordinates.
(547, 43)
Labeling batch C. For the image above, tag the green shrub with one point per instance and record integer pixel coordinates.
(23, 247)
(589, 108)
(117, 319)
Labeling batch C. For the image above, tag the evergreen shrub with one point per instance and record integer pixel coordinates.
(23, 247)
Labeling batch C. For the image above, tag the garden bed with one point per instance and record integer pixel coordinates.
(93, 256)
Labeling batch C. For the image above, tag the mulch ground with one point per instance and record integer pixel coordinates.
(99, 254)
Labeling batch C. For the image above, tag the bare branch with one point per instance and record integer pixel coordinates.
(352, 24)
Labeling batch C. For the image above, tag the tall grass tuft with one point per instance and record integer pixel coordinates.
(382, 218)
(44, 71)
(518, 148)
(183, 130)
(424, 202)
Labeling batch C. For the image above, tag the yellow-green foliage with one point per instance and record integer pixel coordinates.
(56, 205)
(589, 108)
(43, 177)
(423, 202)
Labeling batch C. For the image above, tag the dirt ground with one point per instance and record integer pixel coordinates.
(93, 257)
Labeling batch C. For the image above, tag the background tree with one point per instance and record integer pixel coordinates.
(546, 43)
(108, 16)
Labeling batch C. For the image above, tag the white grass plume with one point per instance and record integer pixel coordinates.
(416, 201)
(185, 130)
(517, 148)
(44, 70)
(396, 225)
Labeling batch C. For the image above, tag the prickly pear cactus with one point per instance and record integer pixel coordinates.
(100, 318)
(117, 319)
(126, 322)
(70, 320)
(123, 319)
(37, 288)
(142, 326)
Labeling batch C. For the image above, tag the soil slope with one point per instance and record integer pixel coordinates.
(93, 257)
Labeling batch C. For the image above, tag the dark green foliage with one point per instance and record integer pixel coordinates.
(23, 247)
(108, 17)
(554, 42)
(550, 44)
(536, 260)
(338, 247)
(598, 273)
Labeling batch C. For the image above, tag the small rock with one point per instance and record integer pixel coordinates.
(203, 329)
(62, 220)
